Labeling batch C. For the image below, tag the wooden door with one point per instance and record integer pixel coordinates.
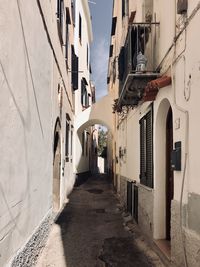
(169, 172)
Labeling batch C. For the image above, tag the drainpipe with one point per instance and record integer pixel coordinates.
(186, 113)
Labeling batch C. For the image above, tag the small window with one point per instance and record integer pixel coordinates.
(146, 149)
(73, 8)
(80, 28)
(111, 51)
(67, 135)
(114, 22)
(83, 143)
(68, 21)
(74, 69)
(71, 151)
(84, 94)
(123, 8)
(60, 18)
(86, 144)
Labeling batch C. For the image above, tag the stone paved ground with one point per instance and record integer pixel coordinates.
(91, 232)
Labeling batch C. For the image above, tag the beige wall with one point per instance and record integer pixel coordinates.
(182, 64)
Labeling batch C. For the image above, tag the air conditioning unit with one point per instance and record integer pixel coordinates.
(182, 6)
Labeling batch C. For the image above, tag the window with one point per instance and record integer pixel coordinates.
(123, 8)
(84, 94)
(73, 7)
(71, 152)
(121, 63)
(74, 69)
(114, 22)
(68, 21)
(83, 143)
(60, 18)
(67, 131)
(146, 149)
(87, 143)
(111, 51)
(80, 28)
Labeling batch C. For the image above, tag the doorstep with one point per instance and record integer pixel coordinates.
(163, 248)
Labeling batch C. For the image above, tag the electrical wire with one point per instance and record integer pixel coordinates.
(30, 69)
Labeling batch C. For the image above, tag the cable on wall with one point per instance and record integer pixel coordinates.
(53, 50)
(29, 65)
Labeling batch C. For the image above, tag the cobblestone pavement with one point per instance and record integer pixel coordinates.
(93, 231)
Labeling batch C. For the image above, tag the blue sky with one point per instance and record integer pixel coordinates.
(101, 13)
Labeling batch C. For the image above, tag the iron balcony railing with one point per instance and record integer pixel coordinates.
(138, 54)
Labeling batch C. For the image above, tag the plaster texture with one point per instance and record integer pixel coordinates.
(32, 65)
(145, 210)
(191, 239)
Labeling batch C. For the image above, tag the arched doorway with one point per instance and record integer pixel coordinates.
(56, 166)
(169, 172)
(163, 176)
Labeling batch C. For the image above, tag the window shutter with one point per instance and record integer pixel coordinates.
(121, 64)
(111, 51)
(123, 8)
(182, 6)
(149, 149)
(146, 149)
(74, 70)
(114, 22)
(80, 27)
(142, 151)
(82, 91)
(67, 141)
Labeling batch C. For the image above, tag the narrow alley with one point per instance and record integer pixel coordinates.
(105, 87)
(92, 231)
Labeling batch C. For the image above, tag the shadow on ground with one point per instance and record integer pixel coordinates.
(92, 229)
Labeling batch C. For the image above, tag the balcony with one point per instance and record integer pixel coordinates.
(137, 63)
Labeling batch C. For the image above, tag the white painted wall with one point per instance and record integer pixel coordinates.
(28, 111)
(81, 163)
(25, 121)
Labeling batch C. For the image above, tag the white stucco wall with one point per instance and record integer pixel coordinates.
(25, 121)
(81, 162)
(29, 108)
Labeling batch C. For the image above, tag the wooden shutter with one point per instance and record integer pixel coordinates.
(123, 8)
(143, 151)
(146, 149)
(121, 64)
(67, 141)
(114, 22)
(149, 149)
(111, 51)
(74, 70)
(82, 91)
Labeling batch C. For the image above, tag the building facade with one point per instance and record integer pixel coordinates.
(84, 94)
(38, 77)
(153, 78)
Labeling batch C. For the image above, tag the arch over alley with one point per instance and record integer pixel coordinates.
(98, 113)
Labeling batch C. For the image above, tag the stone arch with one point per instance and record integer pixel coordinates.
(160, 169)
(56, 165)
(99, 113)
